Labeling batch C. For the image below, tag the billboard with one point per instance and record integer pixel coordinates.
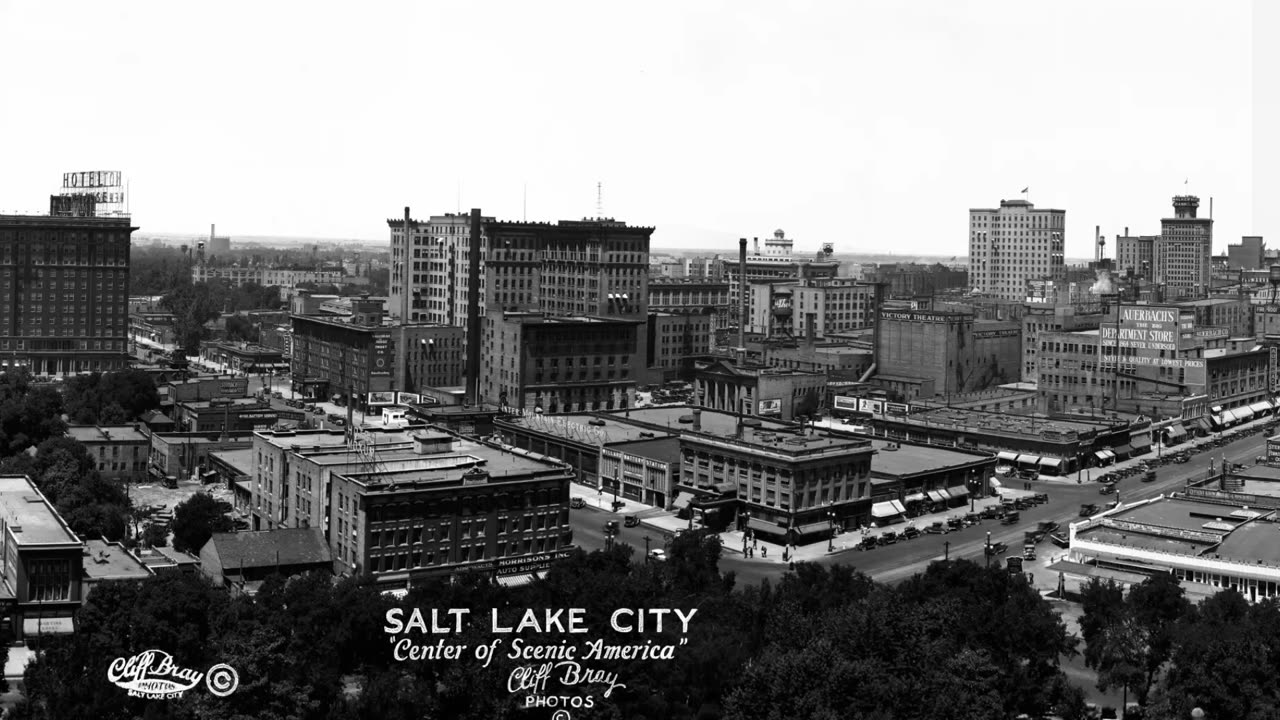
(770, 407)
(1149, 331)
(106, 187)
(405, 398)
(381, 356)
(841, 402)
(871, 407)
(382, 398)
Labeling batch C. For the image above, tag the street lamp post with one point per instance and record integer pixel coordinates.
(831, 526)
(647, 539)
(987, 552)
(946, 551)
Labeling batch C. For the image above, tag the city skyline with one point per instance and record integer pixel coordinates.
(710, 124)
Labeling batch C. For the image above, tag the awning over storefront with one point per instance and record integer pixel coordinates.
(885, 509)
(516, 580)
(1243, 413)
(1203, 424)
(1054, 463)
(32, 627)
(1275, 402)
(1007, 456)
(1176, 432)
(764, 526)
(682, 501)
(1140, 443)
(936, 496)
(995, 483)
(1229, 416)
(814, 528)
(1122, 451)
(1029, 459)
(1104, 455)
(1261, 407)
(959, 491)
(915, 497)
(946, 493)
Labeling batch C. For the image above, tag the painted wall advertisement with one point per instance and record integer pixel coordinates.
(841, 402)
(380, 357)
(405, 398)
(1150, 333)
(770, 407)
(1273, 451)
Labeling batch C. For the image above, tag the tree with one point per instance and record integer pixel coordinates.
(155, 536)
(196, 520)
(110, 398)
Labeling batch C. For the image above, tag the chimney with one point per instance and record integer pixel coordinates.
(742, 298)
(809, 320)
(1126, 231)
(473, 311)
(697, 419)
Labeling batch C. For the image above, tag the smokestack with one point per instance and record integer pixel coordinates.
(473, 311)
(212, 227)
(405, 269)
(809, 319)
(697, 420)
(1097, 246)
(755, 246)
(1126, 231)
(742, 298)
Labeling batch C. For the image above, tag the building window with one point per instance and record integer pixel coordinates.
(49, 580)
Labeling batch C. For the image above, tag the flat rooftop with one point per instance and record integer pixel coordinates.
(110, 561)
(241, 459)
(448, 467)
(1252, 542)
(916, 459)
(107, 433)
(580, 427)
(721, 425)
(991, 422)
(1180, 513)
(311, 439)
(235, 403)
(24, 507)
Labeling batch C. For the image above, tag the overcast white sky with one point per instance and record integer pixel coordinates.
(874, 125)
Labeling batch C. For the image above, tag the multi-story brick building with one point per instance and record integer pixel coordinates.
(693, 298)
(837, 305)
(914, 280)
(1136, 254)
(64, 279)
(1184, 251)
(119, 452)
(951, 351)
(265, 276)
(780, 393)
(675, 338)
(1235, 314)
(1249, 254)
(42, 566)
(429, 266)
(1012, 244)
(186, 454)
(777, 263)
(338, 356)
(1040, 318)
(406, 505)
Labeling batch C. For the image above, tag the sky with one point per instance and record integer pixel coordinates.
(871, 125)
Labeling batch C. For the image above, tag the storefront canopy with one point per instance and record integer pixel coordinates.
(814, 528)
(1105, 455)
(915, 497)
(1243, 413)
(936, 496)
(958, 491)
(887, 509)
(682, 501)
(1029, 459)
(1176, 431)
(1122, 451)
(1260, 407)
(1007, 456)
(1140, 443)
(1051, 462)
(764, 526)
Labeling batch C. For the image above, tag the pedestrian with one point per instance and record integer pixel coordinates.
(764, 552)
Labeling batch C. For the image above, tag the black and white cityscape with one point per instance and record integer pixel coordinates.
(721, 361)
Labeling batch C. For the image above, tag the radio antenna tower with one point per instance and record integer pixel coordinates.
(599, 201)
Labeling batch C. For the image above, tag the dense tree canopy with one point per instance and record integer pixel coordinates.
(196, 519)
(29, 414)
(109, 398)
(193, 305)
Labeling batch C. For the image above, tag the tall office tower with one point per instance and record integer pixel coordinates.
(429, 268)
(565, 310)
(1013, 244)
(64, 281)
(1184, 252)
(1136, 253)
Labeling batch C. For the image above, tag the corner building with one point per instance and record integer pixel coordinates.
(64, 282)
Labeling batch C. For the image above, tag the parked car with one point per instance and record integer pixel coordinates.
(658, 555)
(631, 521)
(1048, 526)
(1059, 540)
(1028, 552)
(1088, 510)
(1011, 518)
(1107, 489)
(1149, 476)
(955, 523)
(938, 528)
(888, 538)
(910, 533)
(577, 502)
(1181, 458)
(611, 527)
(1042, 498)
(972, 518)
(992, 512)
(996, 548)
(867, 543)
